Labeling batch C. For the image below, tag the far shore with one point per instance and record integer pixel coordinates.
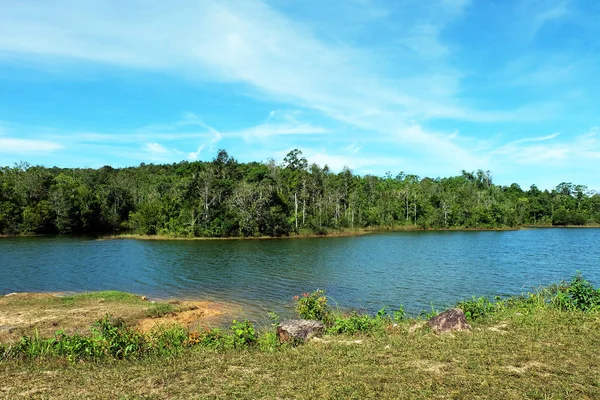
(342, 233)
(335, 233)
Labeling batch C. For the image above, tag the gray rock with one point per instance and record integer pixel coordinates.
(450, 320)
(299, 330)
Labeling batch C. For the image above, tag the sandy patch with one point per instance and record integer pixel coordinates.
(194, 315)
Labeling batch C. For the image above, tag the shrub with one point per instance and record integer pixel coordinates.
(211, 338)
(120, 340)
(357, 323)
(583, 295)
(313, 306)
(243, 334)
(477, 308)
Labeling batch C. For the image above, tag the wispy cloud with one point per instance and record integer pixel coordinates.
(547, 12)
(545, 150)
(251, 43)
(19, 146)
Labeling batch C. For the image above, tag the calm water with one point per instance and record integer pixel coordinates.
(410, 268)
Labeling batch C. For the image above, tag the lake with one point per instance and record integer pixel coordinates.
(415, 269)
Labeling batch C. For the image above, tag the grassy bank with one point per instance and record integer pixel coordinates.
(548, 354)
(539, 346)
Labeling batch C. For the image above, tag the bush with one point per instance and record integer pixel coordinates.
(583, 295)
(244, 334)
(477, 308)
(313, 306)
(359, 323)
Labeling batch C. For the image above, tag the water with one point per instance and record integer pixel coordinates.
(415, 269)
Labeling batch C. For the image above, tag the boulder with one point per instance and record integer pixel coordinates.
(450, 320)
(292, 330)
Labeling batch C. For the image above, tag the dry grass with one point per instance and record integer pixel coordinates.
(538, 354)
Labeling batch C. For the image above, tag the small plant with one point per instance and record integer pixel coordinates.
(477, 308)
(313, 306)
(244, 333)
(359, 323)
(429, 314)
(399, 315)
(356, 323)
(121, 341)
(211, 338)
(274, 318)
(268, 341)
(583, 295)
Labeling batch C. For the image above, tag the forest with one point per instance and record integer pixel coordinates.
(226, 198)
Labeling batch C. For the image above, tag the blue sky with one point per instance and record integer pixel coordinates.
(425, 87)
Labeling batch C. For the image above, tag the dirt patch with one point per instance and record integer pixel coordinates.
(193, 315)
(523, 368)
(45, 313)
(430, 366)
(500, 328)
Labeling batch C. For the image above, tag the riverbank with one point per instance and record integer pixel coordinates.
(331, 233)
(528, 349)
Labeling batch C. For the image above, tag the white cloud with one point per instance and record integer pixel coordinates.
(194, 155)
(156, 149)
(546, 151)
(27, 146)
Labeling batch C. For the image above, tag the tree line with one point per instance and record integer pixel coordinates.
(224, 197)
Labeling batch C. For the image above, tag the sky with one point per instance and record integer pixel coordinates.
(425, 87)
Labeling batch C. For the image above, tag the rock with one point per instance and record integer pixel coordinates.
(298, 329)
(450, 320)
(11, 294)
(144, 298)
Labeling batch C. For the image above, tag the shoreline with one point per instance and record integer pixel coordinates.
(332, 234)
(345, 233)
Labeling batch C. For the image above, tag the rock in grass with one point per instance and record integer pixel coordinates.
(450, 320)
(298, 330)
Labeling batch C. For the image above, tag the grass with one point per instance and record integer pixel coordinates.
(545, 354)
(538, 346)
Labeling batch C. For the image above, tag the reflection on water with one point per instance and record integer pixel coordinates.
(410, 268)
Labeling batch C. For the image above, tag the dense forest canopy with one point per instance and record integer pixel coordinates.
(228, 198)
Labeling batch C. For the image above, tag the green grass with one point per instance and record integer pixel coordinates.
(542, 354)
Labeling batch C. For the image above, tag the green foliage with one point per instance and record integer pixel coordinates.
(577, 295)
(120, 341)
(564, 217)
(243, 334)
(429, 314)
(583, 295)
(226, 198)
(399, 315)
(313, 306)
(215, 339)
(477, 308)
(359, 323)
